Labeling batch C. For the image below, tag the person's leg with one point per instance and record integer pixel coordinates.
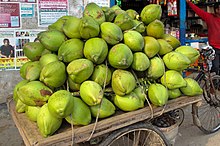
(216, 62)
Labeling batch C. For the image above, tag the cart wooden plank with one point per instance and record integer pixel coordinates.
(31, 136)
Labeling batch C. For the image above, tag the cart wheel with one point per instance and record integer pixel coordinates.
(207, 116)
(178, 115)
(140, 134)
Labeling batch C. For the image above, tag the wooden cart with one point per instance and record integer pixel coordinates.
(66, 135)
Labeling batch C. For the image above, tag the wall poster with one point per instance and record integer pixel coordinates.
(12, 55)
(10, 15)
(50, 10)
(27, 10)
(22, 1)
(101, 3)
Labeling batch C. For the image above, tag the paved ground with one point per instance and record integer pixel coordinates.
(9, 135)
(189, 135)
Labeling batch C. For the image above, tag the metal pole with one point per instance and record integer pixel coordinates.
(182, 17)
(112, 3)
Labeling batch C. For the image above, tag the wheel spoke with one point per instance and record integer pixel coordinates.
(209, 112)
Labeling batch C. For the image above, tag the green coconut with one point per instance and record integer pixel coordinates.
(94, 11)
(151, 46)
(80, 70)
(158, 94)
(189, 52)
(155, 29)
(132, 13)
(120, 56)
(140, 62)
(72, 85)
(70, 50)
(174, 93)
(33, 50)
(192, 88)
(109, 14)
(17, 86)
(173, 79)
(138, 26)
(173, 41)
(115, 7)
(96, 50)
(156, 68)
(51, 39)
(71, 27)
(54, 74)
(150, 13)
(34, 93)
(91, 92)
(47, 58)
(60, 104)
(58, 25)
(32, 112)
(124, 21)
(165, 47)
(134, 40)
(176, 61)
(140, 92)
(123, 82)
(102, 75)
(111, 33)
(46, 122)
(105, 109)
(20, 106)
(45, 51)
(81, 114)
(89, 27)
(129, 102)
(31, 71)
(24, 68)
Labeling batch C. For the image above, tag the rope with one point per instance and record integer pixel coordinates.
(164, 71)
(97, 116)
(148, 102)
(72, 130)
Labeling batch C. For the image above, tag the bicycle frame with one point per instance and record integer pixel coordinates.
(204, 74)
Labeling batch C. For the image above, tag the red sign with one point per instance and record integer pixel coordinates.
(10, 15)
(22, 1)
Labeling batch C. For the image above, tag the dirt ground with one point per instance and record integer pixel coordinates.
(188, 135)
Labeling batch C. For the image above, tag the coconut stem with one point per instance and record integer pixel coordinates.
(135, 27)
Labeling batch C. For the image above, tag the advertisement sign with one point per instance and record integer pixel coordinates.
(27, 10)
(12, 55)
(51, 10)
(172, 8)
(10, 15)
(76, 9)
(22, 1)
(101, 3)
(7, 52)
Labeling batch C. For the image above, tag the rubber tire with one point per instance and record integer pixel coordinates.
(142, 125)
(195, 110)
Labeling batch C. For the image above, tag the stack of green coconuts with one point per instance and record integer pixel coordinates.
(108, 60)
